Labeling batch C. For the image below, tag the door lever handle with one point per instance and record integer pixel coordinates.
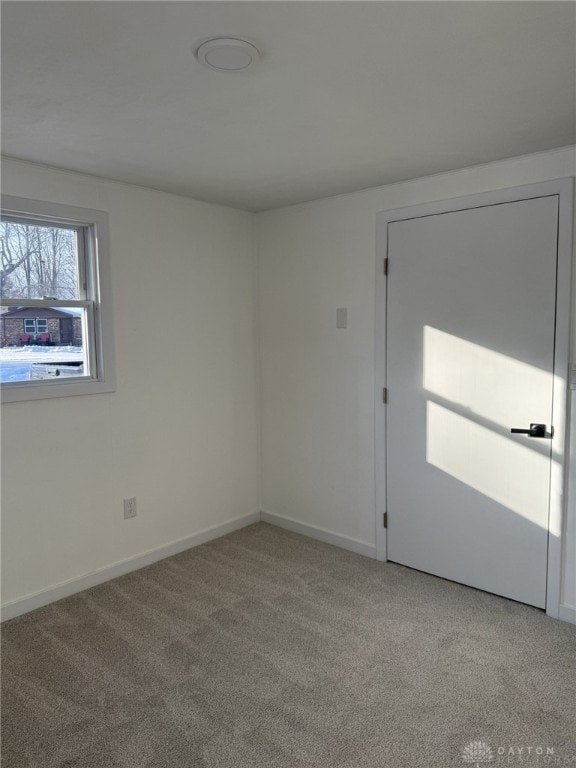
(536, 430)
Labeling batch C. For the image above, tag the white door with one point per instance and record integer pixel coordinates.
(470, 353)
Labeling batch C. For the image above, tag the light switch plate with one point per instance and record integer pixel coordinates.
(341, 317)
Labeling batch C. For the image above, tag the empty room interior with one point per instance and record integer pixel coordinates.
(288, 379)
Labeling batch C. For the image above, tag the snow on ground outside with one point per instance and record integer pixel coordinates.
(33, 354)
(16, 362)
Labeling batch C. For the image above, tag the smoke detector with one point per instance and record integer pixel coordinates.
(227, 54)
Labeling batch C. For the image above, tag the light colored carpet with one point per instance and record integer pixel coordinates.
(265, 649)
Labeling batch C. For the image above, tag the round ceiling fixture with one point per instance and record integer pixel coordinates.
(227, 54)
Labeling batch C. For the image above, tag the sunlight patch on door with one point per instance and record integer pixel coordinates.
(507, 472)
(489, 384)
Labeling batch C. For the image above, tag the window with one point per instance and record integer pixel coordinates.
(31, 327)
(55, 323)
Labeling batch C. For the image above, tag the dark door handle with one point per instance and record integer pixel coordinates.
(536, 430)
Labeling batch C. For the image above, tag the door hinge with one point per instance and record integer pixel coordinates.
(385, 395)
(385, 519)
(386, 261)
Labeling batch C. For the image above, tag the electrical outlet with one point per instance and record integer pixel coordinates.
(130, 508)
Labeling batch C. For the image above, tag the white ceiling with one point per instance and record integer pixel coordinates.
(347, 95)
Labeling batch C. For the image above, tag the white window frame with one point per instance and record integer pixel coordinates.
(27, 321)
(41, 320)
(94, 297)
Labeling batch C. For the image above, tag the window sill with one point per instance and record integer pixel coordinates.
(24, 391)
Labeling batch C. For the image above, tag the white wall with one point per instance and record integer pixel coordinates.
(179, 433)
(182, 435)
(317, 381)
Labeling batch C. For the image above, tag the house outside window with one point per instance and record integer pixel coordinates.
(55, 304)
(35, 327)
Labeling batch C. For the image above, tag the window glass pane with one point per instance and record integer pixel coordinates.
(57, 352)
(29, 326)
(38, 261)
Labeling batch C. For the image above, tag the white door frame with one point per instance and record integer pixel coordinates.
(564, 189)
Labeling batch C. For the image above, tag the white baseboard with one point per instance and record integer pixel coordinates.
(345, 542)
(28, 603)
(567, 613)
(38, 599)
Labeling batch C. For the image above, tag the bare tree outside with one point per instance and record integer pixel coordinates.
(37, 261)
